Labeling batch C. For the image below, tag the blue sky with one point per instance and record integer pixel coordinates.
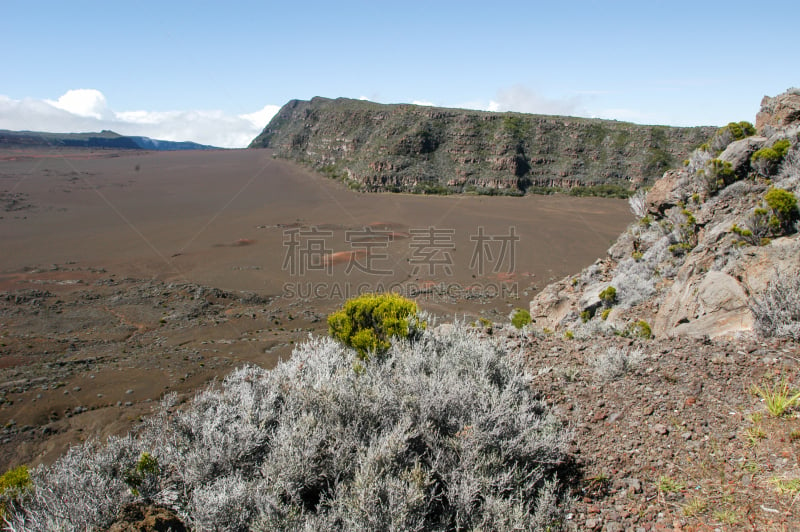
(214, 72)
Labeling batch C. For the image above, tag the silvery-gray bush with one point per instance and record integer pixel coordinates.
(442, 434)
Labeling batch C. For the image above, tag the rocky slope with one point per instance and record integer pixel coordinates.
(715, 250)
(427, 149)
(679, 381)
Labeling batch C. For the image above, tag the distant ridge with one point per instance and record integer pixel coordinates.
(377, 147)
(103, 139)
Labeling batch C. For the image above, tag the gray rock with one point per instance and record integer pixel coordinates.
(665, 193)
(706, 305)
(738, 153)
(591, 296)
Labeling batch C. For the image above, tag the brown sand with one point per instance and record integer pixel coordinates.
(114, 222)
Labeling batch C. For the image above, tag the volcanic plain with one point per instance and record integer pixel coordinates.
(128, 275)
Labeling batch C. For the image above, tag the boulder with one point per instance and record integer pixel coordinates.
(738, 153)
(551, 306)
(665, 193)
(709, 305)
(781, 111)
(591, 297)
(781, 256)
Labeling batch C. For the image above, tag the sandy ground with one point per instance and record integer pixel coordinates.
(121, 274)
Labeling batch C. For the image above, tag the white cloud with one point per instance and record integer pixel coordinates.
(262, 117)
(423, 103)
(83, 102)
(524, 100)
(84, 110)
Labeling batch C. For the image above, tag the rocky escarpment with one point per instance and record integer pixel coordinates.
(715, 251)
(414, 148)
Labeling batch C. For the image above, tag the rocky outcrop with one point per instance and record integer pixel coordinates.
(408, 147)
(706, 249)
(780, 111)
(714, 304)
(665, 193)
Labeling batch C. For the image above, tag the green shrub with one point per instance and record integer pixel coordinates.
(605, 313)
(718, 174)
(741, 129)
(144, 471)
(746, 236)
(368, 322)
(14, 484)
(729, 133)
(680, 248)
(586, 315)
(639, 329)
(608, 296)
(784, 207)
(767, 159)
(740, 231)
(521, 318)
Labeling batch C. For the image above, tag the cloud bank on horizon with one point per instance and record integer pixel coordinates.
(85, 110)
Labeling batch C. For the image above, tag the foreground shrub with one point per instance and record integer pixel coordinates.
(777, 309)
(368, 322)
(441, 434)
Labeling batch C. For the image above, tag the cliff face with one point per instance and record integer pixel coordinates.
(408, 147)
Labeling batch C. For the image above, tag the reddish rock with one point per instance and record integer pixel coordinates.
(780, 111)
(140, 517)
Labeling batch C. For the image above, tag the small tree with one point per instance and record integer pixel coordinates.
(784, 207)
(368, 322)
